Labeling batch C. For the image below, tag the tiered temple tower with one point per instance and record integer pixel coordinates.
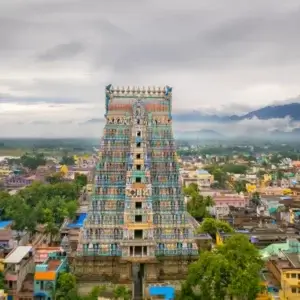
(137, 231)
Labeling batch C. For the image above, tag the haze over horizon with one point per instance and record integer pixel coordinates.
(230, 57)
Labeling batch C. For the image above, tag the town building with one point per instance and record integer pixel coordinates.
(10, 238)
(46, 274)
(137, 231)
(282, 260)
(200, 177)
(263, 236)
(15, 181)
(224, 199)
(19, 268)
(71, 230)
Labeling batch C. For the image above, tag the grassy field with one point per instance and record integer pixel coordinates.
(12, 152)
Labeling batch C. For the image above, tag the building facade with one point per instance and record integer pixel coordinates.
(46, 274)
(19, 264)
(137, 231)
(200, 177)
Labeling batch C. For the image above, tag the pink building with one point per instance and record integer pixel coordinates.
(224, 199)
(41, 253)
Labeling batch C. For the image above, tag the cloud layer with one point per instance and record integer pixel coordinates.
(223, 57)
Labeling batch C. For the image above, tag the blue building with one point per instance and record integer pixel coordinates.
(46, 274)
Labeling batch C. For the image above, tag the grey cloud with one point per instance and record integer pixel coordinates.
(63, 51)
(246, 128)
(220, 56)
(7, 98)
(93, 121)
(41, 122)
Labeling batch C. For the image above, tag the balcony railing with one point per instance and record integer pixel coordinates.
(165, 252)
(99, 252)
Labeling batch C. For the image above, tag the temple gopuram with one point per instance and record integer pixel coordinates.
(137, 231)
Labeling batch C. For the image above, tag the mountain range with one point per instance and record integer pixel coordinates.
(291, 110)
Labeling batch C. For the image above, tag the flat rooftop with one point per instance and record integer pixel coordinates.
(17, 254)
(53, 264)
(293, 258)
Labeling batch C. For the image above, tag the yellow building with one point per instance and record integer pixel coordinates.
(4, 172)
(3, 295)
(290, 284)
(251, 188)
(1, 265)
(201, 177)
(264, 294)
(64, 169)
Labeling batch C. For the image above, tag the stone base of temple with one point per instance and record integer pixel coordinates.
(96, 270)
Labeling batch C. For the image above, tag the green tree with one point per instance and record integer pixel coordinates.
(212, 226)
(197, 204)
(66, 286)
(1, 280)
(33, 161)
(96, 292)
(121, 292)
(67, 160)
(255, 198)
(245, 263)
(219, 174)
(190, 189)
(55, 178)
(81, 180)
(231, 270)
(240, 186)
(39, 203)
(234, 168)
(51, 227)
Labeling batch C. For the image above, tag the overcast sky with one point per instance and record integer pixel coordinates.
(56, 56)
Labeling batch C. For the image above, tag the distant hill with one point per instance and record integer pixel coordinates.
(204, 134)
(275, 112)
(269, 112)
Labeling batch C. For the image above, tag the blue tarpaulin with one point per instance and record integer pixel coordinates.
(4, 224)
(79, 222)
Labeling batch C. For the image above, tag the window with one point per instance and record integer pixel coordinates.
(138, 250)
(145, 250)
(138, 167)
(138, 121)
(138, 133)
(138, 145)
(138, 179)
(138, 205)
(138, 156)
(42, 285)
(138, 218)
(287, 275)
(294, 290)
(138, 234)
(294, 275)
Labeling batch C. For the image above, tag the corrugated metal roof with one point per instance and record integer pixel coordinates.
(17, 254)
